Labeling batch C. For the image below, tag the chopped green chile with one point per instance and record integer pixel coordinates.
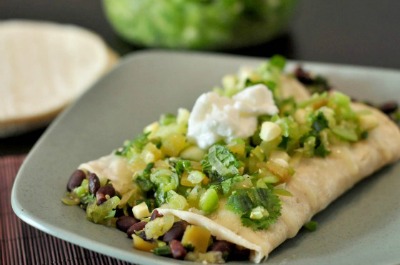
(209, 201)
(162, 251)
(71, 199)
(101, 214)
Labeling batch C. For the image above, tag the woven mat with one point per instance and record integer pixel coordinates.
(23, 244)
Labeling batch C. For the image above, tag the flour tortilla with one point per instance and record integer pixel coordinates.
(316, 183)
(43, 67)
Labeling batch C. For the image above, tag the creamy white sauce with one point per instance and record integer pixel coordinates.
(214, 117)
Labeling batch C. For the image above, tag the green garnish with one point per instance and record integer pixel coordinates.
(220, 164)
(79, 195)
(247, 203)
(182, 165)
(209, 201)
(311, 226)
(319, 122)
(276, 63)
(143, 180)
(134, 146)
(162, 251)
(167, 119)
(165, 180)
(100, 214)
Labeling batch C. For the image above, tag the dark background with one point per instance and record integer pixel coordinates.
(357, 32)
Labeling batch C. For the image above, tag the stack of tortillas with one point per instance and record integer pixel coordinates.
(43, 67)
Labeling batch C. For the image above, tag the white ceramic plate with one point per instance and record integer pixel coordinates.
(361, 227)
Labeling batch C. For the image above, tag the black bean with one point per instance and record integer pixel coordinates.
(222, 246)
(155, 214)
(100, 199)
(177, 249)
(75, 180)
(102, 192)
(176, 231)
(124, 222)
(136, 227)
(303, 76)
(121, 212)
(240, 253)
(389, 107)
(94, 183)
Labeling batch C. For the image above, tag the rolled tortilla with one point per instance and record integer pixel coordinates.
(316, 183)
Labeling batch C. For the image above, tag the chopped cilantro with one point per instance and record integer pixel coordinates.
(319, 122)
(143, 180)
(243, 201)
(277, 62)
(182, 165)
(162, 251)
(167, 119)
(321, 150)
(220, 164)
(135, 145)
(227, 184)
(287, 106)
(314, 143)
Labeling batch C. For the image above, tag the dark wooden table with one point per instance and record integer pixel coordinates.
(354, 32)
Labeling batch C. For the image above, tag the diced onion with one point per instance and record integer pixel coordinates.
(270, 131)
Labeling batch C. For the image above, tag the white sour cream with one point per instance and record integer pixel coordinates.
(214, 117)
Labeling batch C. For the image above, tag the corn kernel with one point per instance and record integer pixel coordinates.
(141, 211)
(196, 236)
(173, 144)
(141, 244)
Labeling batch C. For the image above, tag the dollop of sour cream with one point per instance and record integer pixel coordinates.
(214, 117)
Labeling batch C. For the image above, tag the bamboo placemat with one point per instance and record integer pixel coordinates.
(23, 244)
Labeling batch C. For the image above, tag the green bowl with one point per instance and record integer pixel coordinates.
(198, 24)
